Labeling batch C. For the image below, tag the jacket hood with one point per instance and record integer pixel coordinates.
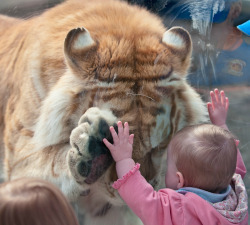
(234, 208)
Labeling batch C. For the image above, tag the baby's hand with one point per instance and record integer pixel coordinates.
(123, 142)
(217, 108)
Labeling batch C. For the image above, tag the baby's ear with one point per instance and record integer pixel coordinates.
(179, 41)
(181, 180)
(79, 47)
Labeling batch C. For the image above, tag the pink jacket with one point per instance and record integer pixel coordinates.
(169, 207)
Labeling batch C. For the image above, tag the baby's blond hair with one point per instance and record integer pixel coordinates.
(206, 156)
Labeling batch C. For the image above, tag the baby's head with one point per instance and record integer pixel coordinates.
(204, 156)
(29, 201)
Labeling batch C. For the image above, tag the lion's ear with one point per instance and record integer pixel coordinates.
(178, 41)
(79, 46)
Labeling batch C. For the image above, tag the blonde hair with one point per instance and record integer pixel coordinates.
(29, 201)
(206, 156)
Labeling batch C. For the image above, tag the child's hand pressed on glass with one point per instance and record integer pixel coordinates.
(123, 142)
(218, 107)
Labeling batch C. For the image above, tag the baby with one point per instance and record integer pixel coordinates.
(203, 179)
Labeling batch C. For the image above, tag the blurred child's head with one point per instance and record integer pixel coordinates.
(204, 156)
(30, 201)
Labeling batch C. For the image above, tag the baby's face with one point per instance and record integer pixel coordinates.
(171, 178)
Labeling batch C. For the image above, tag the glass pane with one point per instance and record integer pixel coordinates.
(221, 52)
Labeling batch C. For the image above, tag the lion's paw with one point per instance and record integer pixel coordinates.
(89, 158)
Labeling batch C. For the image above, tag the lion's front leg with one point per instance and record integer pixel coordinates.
(89, 158)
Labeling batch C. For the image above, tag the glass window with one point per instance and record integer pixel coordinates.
(221, 51)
